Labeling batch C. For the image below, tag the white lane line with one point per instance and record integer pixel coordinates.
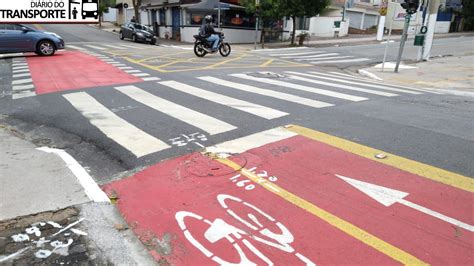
(114, 46)
(250, 142)
(95, 47)
(118, 65)
(293, 54)
(21, 71)
(141, 75)
(151, 79)
(311, 56)
(132, 71)
(21, 81)
(23, 95)
(342, 61)
(114, 127)
(365, 84)
(10, 55)
(75, 47)
(125, 68)
(91, 189)
(349, 77)
(302, 88)
(269, 93)
(15, 76)
(332, 84)
(325, 58)
(23, 87)
(244, 106)
(207, 123)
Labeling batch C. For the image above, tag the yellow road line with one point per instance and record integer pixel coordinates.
(348, 228)
(267, 63)
(417, 168)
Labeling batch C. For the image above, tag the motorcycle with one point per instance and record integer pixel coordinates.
(202, 46)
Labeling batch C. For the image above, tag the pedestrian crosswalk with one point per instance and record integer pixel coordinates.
(312, 56)
(98, 47)
(22, 83)
(255, 96)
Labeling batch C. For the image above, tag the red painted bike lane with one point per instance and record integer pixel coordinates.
(301, 202)
(71, 70)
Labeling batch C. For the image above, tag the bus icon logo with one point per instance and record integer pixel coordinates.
(90, 9)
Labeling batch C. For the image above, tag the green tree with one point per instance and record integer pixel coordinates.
(103, 7)
(268, 11)
(301, 8)
(468, 13)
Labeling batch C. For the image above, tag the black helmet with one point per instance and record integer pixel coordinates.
(208, 19)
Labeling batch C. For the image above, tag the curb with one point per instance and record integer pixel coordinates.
(368, 74)
(453, 92)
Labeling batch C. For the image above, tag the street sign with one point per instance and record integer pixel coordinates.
(223, 6)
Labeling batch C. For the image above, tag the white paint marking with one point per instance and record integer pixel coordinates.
(132, 46)
(125, 67)
(342, 61)
(13, 255)
(325, 58)
(269, 93)
(207, 123)
(311, 56)
(25, 70)
(151, 79)
(95, 47)
(302, 88)
(19, 64)
(250, 142)
(343, 74)
(91, 188)
(332, 84)
(23, 87)
(132, 71)
(388, 197)
(118, 64)
(21, 81)
(10, 55)
(280, 49)
(15, 76)
(114, 46)
(23, 95)
(75, 47)
(293, 54)
(141, 75)
(244, 106)
(19, 67)
(130, 137)
(365, 84)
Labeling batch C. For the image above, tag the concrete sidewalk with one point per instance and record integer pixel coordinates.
(452, 75)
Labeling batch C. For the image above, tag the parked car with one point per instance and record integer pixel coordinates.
(137, 33)
(17, 38)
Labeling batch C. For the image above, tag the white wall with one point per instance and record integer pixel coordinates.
(111, 16)
(442, 26)
(231, 35)
(324, 27)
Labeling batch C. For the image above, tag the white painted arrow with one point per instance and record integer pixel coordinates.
(387, 197)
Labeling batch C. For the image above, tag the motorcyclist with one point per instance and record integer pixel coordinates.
(207, 31)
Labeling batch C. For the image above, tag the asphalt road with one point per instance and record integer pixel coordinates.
(430, 128)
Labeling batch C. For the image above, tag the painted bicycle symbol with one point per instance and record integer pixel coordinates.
(253, 220)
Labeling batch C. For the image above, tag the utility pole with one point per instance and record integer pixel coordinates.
(381, 26)
(257, 6)
(403, 40)
(433, 15)
(219, 16)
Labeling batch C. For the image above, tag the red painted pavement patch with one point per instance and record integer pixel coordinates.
(193, 210)
(71, 70)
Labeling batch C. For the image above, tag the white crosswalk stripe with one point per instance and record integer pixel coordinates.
(114, 127)
(366, 84)
(298, 54)
(325, 58)
(75, 47)
(341, 61)
(132, 46)
(248, 107)
(302, 88)
(21, 81)
(332, 84)
(350, 77)
(207, 123)
(115, 46)
(310, 56)
(95, 47)
(268, 93)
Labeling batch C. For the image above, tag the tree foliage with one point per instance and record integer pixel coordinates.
(468, 13)
(104, 7)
